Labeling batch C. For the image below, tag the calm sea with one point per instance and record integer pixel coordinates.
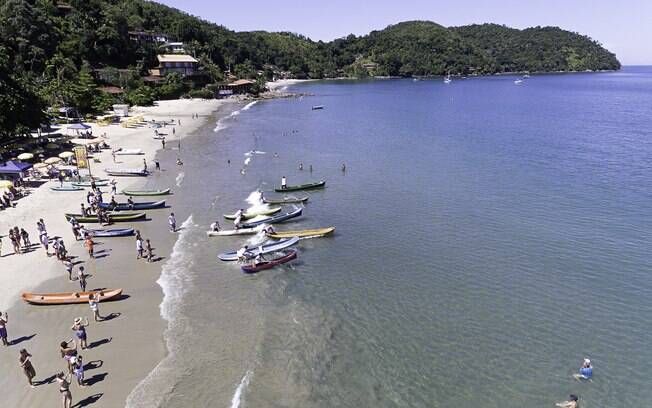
(489, 237)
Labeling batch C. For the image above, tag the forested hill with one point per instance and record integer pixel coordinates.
(51, 52)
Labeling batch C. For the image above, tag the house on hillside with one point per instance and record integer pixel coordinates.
(184, 64)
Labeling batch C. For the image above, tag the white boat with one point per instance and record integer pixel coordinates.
(518, 82)
(241, 231)
(126, 152)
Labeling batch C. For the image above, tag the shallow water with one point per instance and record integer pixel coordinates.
(489, 237)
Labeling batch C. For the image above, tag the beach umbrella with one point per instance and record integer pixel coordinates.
(6, 184)
(66, 155)
(53, 160)
(25, 156)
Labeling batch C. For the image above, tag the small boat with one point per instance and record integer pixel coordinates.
(66, 298)
(318, 107)
(128, 152)
(285, 200)
(307, 186)
(127, 172)
(98, 183)
(146, 192)
(308, 233)
(274, 219)
(241, 231)
(267, 248)
(65, 187)
(120, 217)
(254, 213)
(287, 256)
(116, 232)
(148, 205)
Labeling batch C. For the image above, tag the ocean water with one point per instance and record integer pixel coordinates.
(489, 237)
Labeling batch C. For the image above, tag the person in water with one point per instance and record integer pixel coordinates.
(571, 403)
(586, 371)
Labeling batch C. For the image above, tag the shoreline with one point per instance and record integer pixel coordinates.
(137, 324)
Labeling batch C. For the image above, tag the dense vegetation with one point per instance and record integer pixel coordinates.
(51, 52)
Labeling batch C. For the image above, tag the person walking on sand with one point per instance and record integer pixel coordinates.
(173, 223)
(139, 248)
(90, 245)
(94, 304)
(81, 277)
(148, 247)
(3, 328)
(79, 327)
(69, 266)
(64, 388)
(26, 364)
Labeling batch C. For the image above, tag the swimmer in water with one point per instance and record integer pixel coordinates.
(586, 371)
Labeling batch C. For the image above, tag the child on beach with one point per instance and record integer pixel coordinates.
(81, 276)
(26, 364)
(3, 328)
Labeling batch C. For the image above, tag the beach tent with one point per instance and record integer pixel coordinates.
(14, 169)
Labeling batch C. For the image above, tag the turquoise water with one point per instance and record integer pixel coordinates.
(489, 237)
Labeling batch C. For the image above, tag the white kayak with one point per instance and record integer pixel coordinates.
(241, 231)
(126, 152)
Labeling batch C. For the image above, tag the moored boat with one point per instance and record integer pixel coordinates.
(121, 217)
(274, 219)
(65, 298)
(146, 192)
(115, 232)
(127, 172)
(241, 231)
(266, 249)
(285, 200)
(307, 233)
(287, 256)
(148, 205)
(307, 186)
(254, 213)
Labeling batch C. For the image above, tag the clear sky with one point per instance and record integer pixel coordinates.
(624, 27)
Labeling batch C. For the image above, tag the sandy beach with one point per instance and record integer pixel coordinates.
(124, 348)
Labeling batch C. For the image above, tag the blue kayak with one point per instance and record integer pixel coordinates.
(115, 232)
(148, 205)
(273, 220)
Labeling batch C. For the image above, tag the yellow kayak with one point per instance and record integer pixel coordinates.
(254, 213)
(309, 233)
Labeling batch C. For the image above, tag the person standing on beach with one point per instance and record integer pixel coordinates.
(64, 388)
(26, 364)
(81, 277)
(3, 328)
(148, 247)
(139, 248)
(79, 327)
(173, 223)
(94, 304)
(89, 244)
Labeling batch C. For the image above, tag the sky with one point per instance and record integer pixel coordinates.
(624, 27)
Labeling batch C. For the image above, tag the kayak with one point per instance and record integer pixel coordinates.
(307, 186)
(66, 188)
(148, 205)
(146, 192)
(99, 183)
(273, 220)
(131, 216)
(241, 231)
(126, 152)
(65, 298)
(309, 233)
(287, 256)
(267, 248)
(285, 200)
(117, 232)
(254, 213)
(127, 172)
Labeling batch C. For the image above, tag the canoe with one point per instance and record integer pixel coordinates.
(126, 152)
(308, 233)
(285, 200)
(116, 232)
(267, 248)
(127, 172)
(66, 188)
(307, 186)
(121, 217)
(99, 183)
(146, 192)
(287, 256)
(273, 220)
(254, 213)
(241, 231)
(66, 298)
(148, 205)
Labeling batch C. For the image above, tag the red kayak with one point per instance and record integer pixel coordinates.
(287, 256)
